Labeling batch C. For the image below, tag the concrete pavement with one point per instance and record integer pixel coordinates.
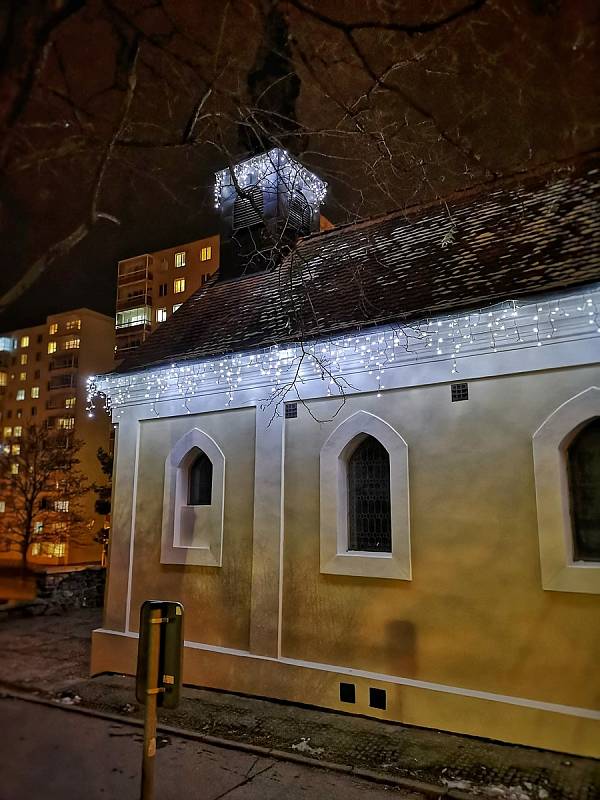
(49, 656)
(55, 754)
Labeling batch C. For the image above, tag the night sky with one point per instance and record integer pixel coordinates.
(114, 114)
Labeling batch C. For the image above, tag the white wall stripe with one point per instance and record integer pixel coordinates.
(132, 531)
(540, 705)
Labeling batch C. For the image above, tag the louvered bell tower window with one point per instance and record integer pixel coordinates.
(299, 214)
(369, 520)
(248, 210)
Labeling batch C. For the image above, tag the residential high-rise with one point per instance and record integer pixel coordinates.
(43, 373)
(152, 286)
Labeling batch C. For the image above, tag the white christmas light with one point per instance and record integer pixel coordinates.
(337, 360)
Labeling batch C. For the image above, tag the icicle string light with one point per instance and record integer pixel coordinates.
(336, 360)
(267, 170)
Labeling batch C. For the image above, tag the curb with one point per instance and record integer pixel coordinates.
(428, 789)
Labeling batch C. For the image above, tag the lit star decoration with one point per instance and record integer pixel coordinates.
(269, 171)
(342, 362)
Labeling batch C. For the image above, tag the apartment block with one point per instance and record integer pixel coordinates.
(152, 286)
(43, 374)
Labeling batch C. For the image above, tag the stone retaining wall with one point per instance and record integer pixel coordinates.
(72, 587)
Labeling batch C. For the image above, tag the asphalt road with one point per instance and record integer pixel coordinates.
(55, 754)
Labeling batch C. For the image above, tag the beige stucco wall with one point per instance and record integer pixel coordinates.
(217, 598)
(474, 617)
(475, 614)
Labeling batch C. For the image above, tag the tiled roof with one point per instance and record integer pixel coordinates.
(537, 234)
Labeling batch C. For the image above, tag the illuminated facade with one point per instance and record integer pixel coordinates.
(151, 287)
(360, 469)
(43, 373)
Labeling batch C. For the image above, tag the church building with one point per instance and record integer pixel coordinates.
(367, 459)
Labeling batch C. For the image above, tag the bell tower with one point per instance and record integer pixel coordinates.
(266, 202)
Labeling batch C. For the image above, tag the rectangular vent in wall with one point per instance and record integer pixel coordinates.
(377, 698)
(460, 391)
(291, 410)
(347, 693)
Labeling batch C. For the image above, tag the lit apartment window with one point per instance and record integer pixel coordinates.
(7, 433)
(66, 423)
(61, 505)
(22, 376)
(23, 359)
(15, 449)
(2, 506)
(179, 286)
(72, 344)
(14, 468)
(20, 394)
(134, 316)
(161, 314)
(39, 527)
(70, 402)
(74, 325)
(180, 259)
(176, 306)
(163, 289)
(52, 347)
(24, 341)
(35, 392)
(206, 254)
(18, 430)
(53, 328)
(3, 378)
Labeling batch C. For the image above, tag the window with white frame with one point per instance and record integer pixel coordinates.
(61, 505)
(20, 394)
(2, 506)
(192, 526)
(24, 341)
(206, 254)
(72, 344)
(161, 314)
(566, 456)
(180, 259)
(179, 286)
(52, 346)
(18, 431)
(53, 329)
(35, 392)
(364, 504)
(177, 306)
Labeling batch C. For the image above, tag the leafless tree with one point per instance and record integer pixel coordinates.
(41, 487)
(121, 109)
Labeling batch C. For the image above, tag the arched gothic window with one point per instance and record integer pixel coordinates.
(369, 519)
(200, 481)
(583, 461)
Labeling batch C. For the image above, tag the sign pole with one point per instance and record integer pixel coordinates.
(152, 690)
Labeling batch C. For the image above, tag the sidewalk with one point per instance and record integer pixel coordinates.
(33, 658)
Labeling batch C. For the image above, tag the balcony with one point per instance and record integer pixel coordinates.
(67, 381)
(66, 362)
(134, 318)
(134, 300)
(134, 276)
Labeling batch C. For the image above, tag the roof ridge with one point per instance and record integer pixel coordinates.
(503, 181)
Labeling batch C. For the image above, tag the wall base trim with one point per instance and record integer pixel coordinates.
(422, 703)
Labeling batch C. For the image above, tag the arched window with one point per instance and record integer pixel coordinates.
(583, 464)
(200, 481)
(369, 519)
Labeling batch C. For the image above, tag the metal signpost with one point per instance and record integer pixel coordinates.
(158, 677)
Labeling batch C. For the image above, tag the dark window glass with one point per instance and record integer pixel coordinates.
(584, 490)
(33, 411)
(162, 290)
(369, 522)
(200, 486)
